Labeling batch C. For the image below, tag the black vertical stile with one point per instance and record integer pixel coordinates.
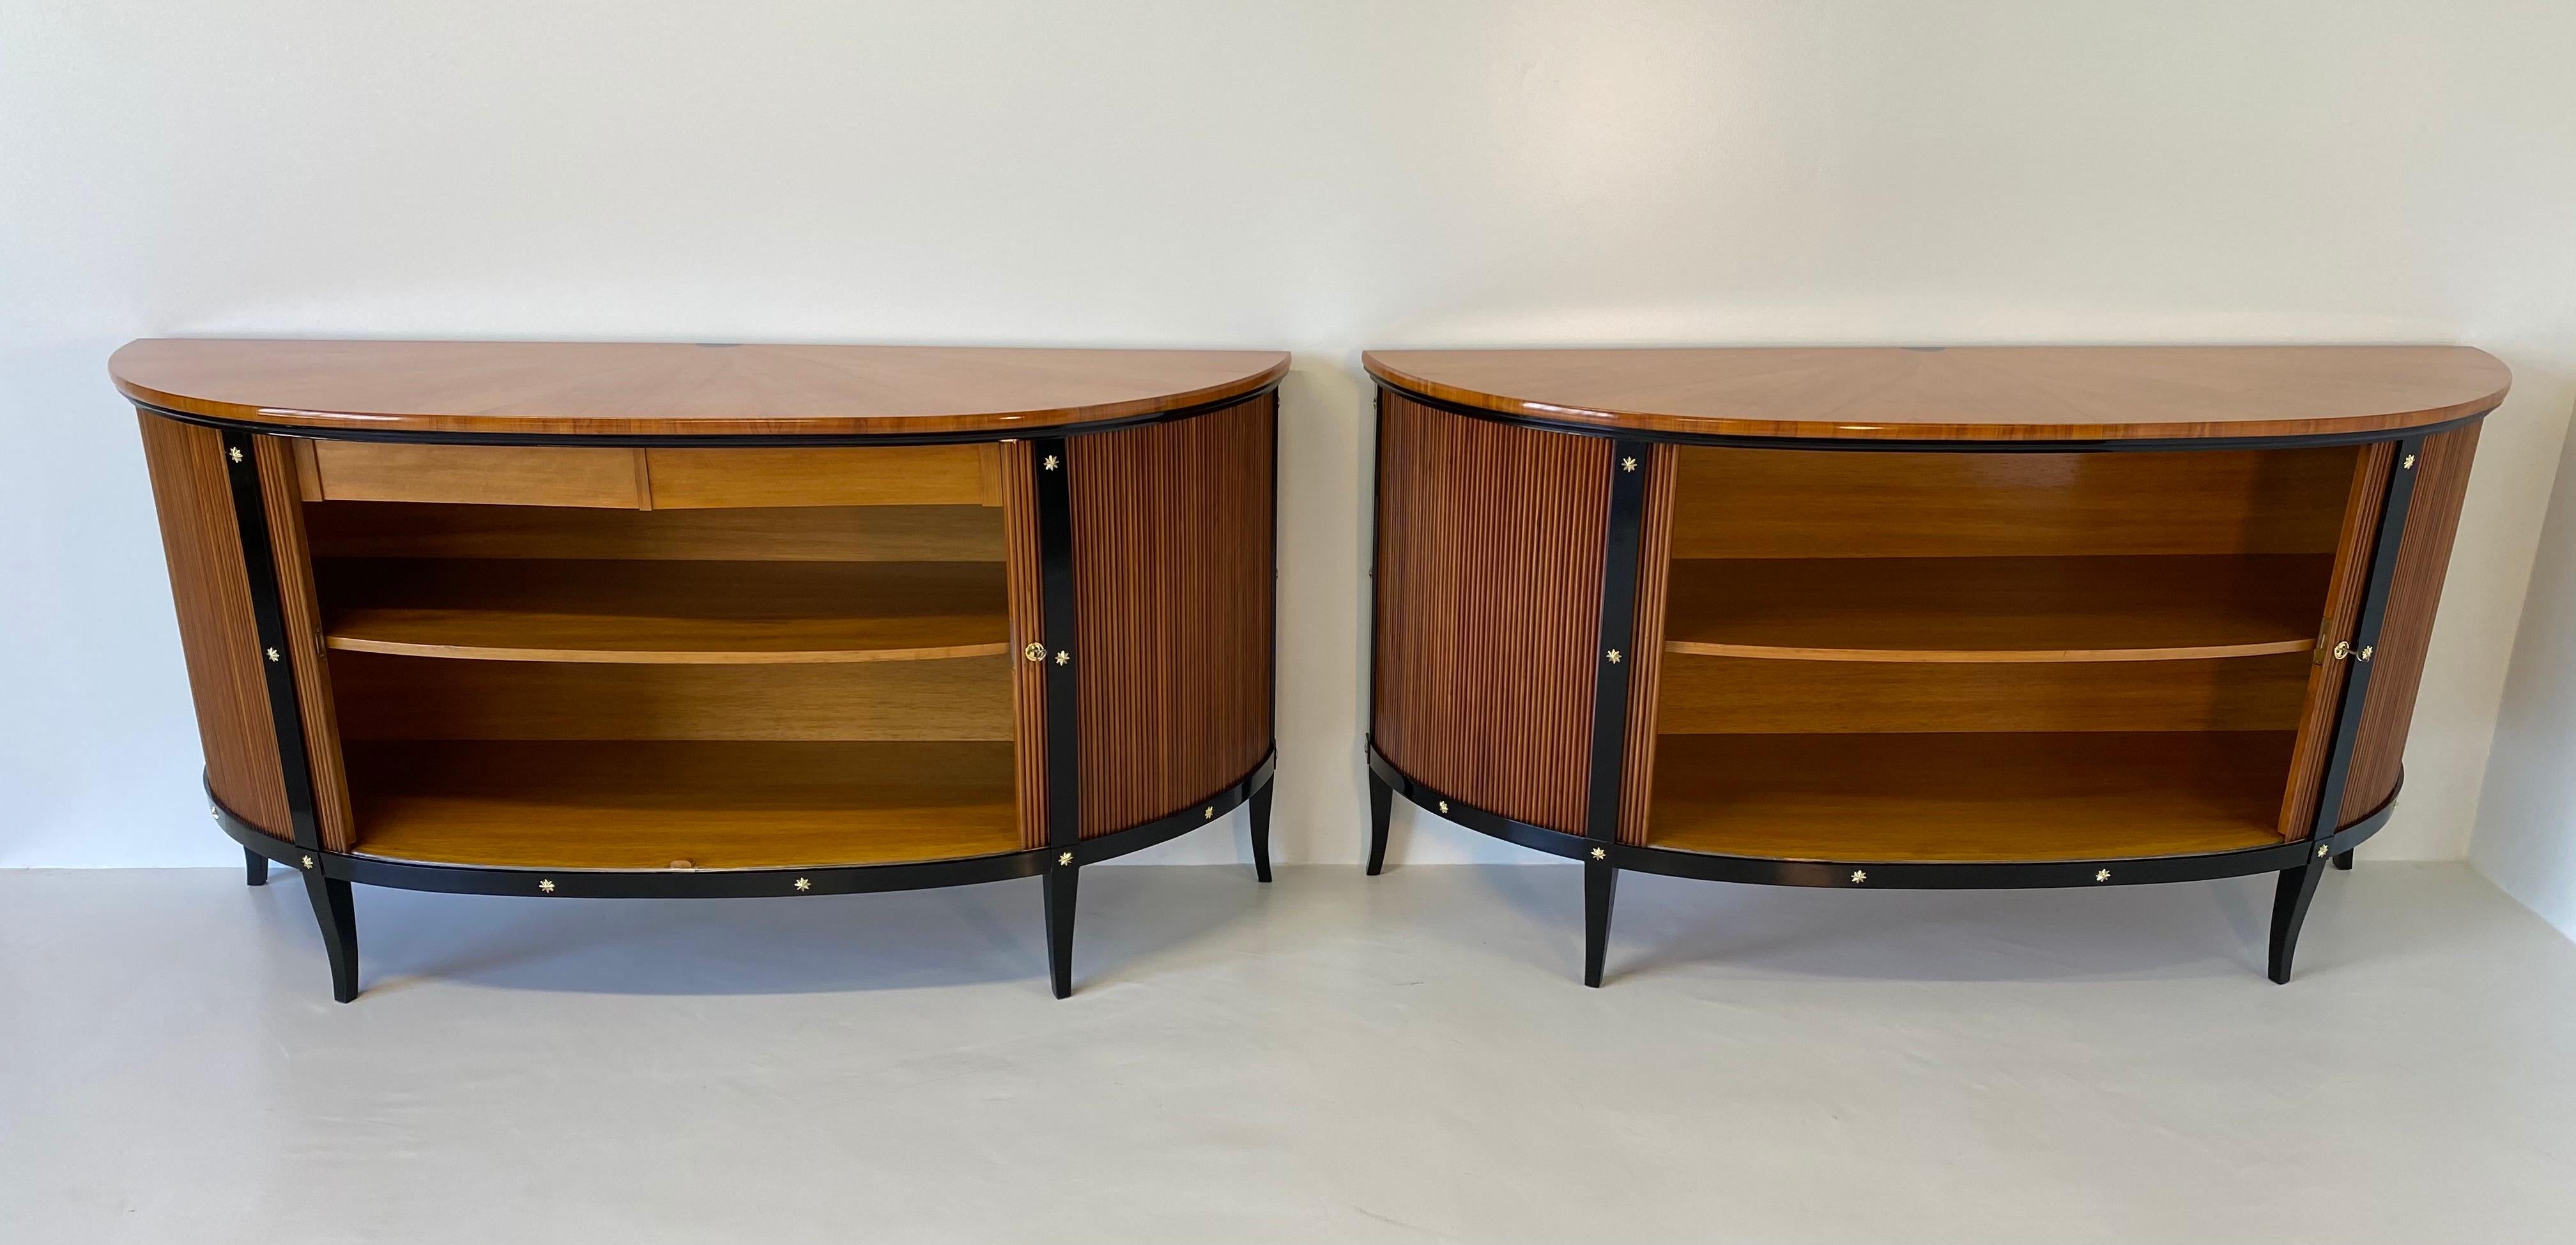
(1054, 469)
(2297, 887)
(333, 907)
(1629, 465)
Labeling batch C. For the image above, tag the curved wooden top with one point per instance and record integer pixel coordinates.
(674, 389)
(1967, 393)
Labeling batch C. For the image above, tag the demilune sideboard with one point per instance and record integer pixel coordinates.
(1868, 618)
(608, 619)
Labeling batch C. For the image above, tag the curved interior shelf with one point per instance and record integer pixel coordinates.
(1997, 609)
(681, 804)
(609, 610)
(1960, 797)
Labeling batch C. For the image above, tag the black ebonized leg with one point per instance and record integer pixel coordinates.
(1261, 832)
(2290, 898)
(1059, 921)
(1381, 808)
(258, 867)
(338, 916)
(1600, 887)
(2343, 860)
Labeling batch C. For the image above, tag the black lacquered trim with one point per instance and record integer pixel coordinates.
(707, 440)
(2114, 445)
(2397, 499)
(1629, 464)
(1879, 874)
(268, 617)
(1052, 465)
(733, 883)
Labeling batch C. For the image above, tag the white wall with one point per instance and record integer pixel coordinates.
(2526, 828)
(1319, 176)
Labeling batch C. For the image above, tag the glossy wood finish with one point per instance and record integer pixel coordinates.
(1754, 503)
(804, 534)
(623, 610)
(2025, 609)
(1645, 677)
(1967, 393)
(2326, 672)
(673, 389)
(1488, 587)
(1754, 696)
(1173, 537)
(893, 475)
(281, 490)
(1028, 626)
(505, 475)
(2424, 556)
(385, 697)
(216, 633)
(1969, 797)
(682, 804)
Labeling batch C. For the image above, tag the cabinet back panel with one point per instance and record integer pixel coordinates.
(1738, 695)
(1738, 503)
(799, 534)
(388, 697)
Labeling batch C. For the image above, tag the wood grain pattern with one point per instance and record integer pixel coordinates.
(799, 534)
(1753, 696)
(1979, 393)
(2326, 674)
(1998, 609)
(675, 389)
(216, 633)
(1173, 537)
(381, 697)
(1028, 626)
(282, 492)
(894, 475)
(1488, 608)
(1982, 797)
(623, 610)
(503, 475)
(2406, 633)
(1739, 503)
(1645, 674)
(590, 805)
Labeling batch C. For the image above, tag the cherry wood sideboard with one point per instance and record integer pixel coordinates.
(610, 619)
(1964, 617)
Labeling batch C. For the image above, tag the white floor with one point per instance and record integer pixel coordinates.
(1329, 1058)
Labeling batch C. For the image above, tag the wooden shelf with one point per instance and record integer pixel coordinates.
(506, 609)
(1969, 797)
(647, 805)
(2005, 609)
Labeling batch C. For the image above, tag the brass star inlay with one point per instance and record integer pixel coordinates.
(2101, 875)
(1614, 657)
(1860, 875)
(1627, 464)
(1061, 657)
(804, 884)
(1601, 853)
(236, 455)
(546, 884)
(1050, 462)
(1065, 859)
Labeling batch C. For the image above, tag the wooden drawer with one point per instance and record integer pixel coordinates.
(653, 479)
(907, 475)
(491, 474)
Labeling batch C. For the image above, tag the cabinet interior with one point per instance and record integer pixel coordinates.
(1991, 656)
(732, 678)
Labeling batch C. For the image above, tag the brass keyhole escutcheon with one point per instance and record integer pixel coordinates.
(1034, 652)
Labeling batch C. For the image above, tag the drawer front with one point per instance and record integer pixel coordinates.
(490, 474)
(907, 475)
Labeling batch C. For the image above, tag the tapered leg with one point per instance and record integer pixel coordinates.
(1600, 887)
(2343, 860)
(1261, 832)
(1381, 807)
(1059, 921)
(338, 916)
(258, 867)
(2290, 898)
